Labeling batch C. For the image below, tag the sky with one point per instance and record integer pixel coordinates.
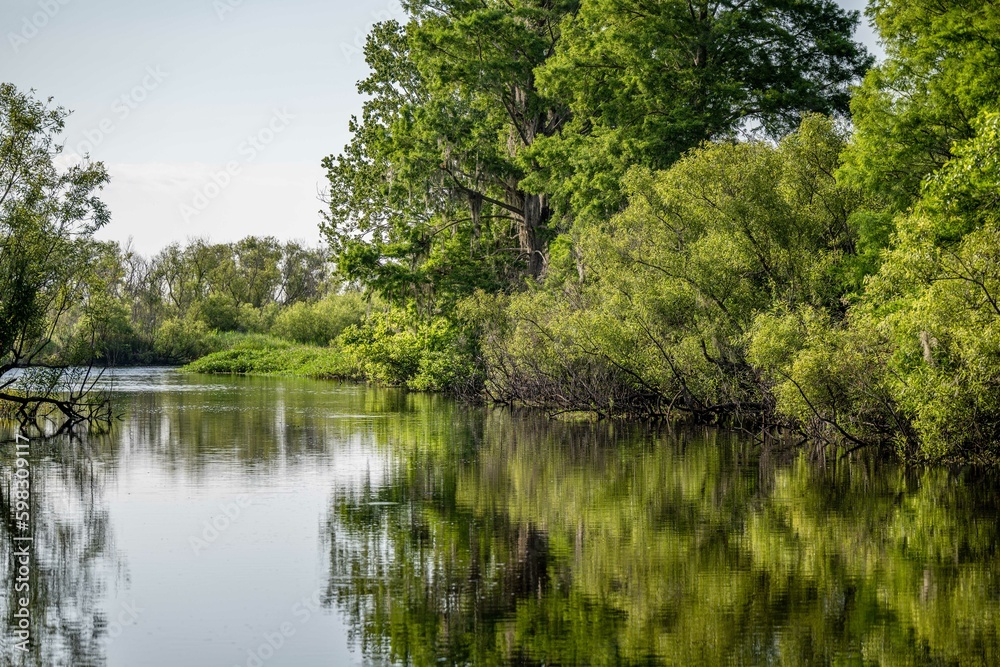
(211, 116)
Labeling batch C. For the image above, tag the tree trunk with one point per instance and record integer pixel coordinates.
(535, 214)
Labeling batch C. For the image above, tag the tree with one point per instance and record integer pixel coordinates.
(647, 81)
(914, 364)
(304, 273)
(926, 332)
(254, 274)
(942, 69)
(676, 280)
(481, 112)
(176, 278)
(47, 218)
(427, 196)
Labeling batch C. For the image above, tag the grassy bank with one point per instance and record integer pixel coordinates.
(265, 355)
(385, 349)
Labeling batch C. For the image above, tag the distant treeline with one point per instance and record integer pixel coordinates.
(179, 304)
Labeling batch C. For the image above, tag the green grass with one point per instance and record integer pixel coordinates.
(237, 339)
(265, 355)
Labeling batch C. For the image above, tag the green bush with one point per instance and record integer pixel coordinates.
(386, 349)
(320, 322)
(427, 356)
(256, 320)
(183, 340)
(218, 312)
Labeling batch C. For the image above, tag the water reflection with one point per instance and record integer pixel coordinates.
(569, 544)
(70, 559)
(443, 534)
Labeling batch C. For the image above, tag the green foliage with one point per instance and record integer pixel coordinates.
(263, 356)
(217, 311)
(179, 304)
(390, 353)
(251, 319)
(180, 341)
(426, 205)
(824, 375)
(645, 82)
(436, 356)
(231, 286)
(321, 322)
(845, 287)
(916, 360)
(481, 113)
(104, 334)
(556, 204)
(942, 68)
(674, 282)
(936, 298)
(47, 218)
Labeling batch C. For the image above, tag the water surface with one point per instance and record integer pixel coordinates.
(275, 522)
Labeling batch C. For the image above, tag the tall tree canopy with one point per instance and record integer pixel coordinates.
(489, 121)
(646, 80)
(942, 70)
(427, 196)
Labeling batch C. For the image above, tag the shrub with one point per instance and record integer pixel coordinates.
(256, 320)
(183, 340)
(321, 322)
(429, 356)
(218, 312)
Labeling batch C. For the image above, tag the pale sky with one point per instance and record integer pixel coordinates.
(212, 116)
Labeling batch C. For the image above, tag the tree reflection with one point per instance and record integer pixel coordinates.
(72, 555)
(551, 543)
(254, 420)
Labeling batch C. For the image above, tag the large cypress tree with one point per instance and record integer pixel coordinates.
(488, 121)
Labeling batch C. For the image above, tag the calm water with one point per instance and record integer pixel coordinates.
(265, 523)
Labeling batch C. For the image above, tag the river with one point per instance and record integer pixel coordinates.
(259, 522)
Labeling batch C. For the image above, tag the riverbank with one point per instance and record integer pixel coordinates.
(385, 349)
(409, 357)
(279, 358)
